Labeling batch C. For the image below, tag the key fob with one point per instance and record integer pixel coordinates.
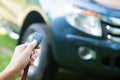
(37, 36)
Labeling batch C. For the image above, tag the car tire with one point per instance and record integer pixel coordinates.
(44, 67)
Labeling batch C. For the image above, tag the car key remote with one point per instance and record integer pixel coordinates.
(35, 36)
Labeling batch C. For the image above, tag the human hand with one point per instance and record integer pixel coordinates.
(23, 55)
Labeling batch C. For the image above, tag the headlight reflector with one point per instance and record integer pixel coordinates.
(86, 21)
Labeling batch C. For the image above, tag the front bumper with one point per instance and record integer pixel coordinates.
(107, 62)
(65, 45)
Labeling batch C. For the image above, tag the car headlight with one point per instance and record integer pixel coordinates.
(84, 20)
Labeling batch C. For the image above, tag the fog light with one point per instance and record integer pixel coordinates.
(86, 53)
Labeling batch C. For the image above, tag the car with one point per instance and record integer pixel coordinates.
(78, 35)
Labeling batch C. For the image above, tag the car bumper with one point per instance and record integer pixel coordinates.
(107, 60)
(66, 45)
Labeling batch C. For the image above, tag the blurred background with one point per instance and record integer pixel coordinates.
(8, 42)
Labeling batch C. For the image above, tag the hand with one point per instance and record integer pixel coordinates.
(23, 55)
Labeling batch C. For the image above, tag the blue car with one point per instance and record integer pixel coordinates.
(78, 35)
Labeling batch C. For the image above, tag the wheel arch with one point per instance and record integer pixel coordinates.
(32, 17)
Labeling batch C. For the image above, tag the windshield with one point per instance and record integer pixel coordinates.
(115, 4)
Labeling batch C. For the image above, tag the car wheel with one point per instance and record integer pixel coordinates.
(44, 67)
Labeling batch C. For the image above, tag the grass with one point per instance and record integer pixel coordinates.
(7, 42)
(4, 60)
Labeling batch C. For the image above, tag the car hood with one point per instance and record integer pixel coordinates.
(115, 4)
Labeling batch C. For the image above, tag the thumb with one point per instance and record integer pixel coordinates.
(30, 47)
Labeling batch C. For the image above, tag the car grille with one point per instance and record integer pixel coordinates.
(113, 33)
(112, 30)
(107, 60)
